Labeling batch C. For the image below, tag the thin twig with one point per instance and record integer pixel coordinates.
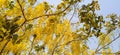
(72, 15)
(106, 53)
(40, 15)
(51, 14)
(74, 12)
(31, 46)
(57, 44)
(77, 39)
(22, 10)
(100, 43)
(4, 47)
(54, 50)
(67, 43)
(108, 43)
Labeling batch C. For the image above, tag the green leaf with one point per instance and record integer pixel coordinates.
(16, 18)
(34, 35)
(1, 38)
(32, 2)
(18, 42)
(38, 48)
(7, 25)
(13, 28)
(29, 26)
(14, 38)
(11, 5)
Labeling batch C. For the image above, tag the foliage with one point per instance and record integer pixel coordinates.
(27, 27)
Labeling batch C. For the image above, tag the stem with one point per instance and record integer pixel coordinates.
(108, 44)
(22, 10)
(100, 43)
(51, 14)
(66, 44)
(72, 15)
(31, 46)
(4, 47)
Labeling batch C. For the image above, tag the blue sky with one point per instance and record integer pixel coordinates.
(109, 6)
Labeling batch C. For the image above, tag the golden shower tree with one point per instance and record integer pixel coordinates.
(28, 27)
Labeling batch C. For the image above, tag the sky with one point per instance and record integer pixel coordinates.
(106, 7)
(109, 6)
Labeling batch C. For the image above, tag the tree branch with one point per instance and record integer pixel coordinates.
(40, 15)
(57, 44)
(4, 46)
(66, 43)
(22, 10)
(72, 15)
(51, 14)
(31, 46)
(116, 53)
(100, 43)
(108, 44)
